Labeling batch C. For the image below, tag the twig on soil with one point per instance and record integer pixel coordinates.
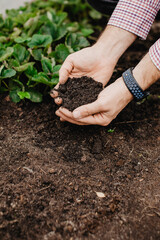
(136, 121)
(43, 189)
(42, 170)
(1, 194)
(157, 213)
(28, 169)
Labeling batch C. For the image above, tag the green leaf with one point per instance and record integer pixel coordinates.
(35, 96)
(20, 53)
(46, 65)
(8, 24)
(56, 17)
(14, 96)
(61, 52)
(30, 22)
(15, 34)
(31, 71)
(95, 14)
(40, 41)
(8, 73)
(55, 80)
(13, 63)
(23, 18)
(87, 31)
(24, 67)
(55, 77)
(3, 39)
(4, 54)
(22, 39)
(72, 27)
(57, 68)
(76, 41)
(14, 89)
(55, 31)
(110, 130)
(37, 54)
(34, 26)
(12, 12)
(42, 78)
(23, 95)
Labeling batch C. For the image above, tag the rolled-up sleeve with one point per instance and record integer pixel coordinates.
(135, 16)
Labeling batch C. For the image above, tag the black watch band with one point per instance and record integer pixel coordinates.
(133, 86)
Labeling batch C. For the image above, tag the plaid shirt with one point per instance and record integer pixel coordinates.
(137, 16)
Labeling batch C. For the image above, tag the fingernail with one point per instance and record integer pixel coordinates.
(76, 114)
(57, 112)
(58, 99)
(53, 92)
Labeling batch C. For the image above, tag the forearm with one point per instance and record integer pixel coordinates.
(146, 73)
(113, 42)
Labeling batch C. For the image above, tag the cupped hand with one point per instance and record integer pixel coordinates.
(101, 112)
(86, 62)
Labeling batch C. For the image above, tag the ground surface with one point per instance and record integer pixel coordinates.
(50, 171)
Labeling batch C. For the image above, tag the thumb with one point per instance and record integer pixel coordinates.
(65, 71)
(87, 110)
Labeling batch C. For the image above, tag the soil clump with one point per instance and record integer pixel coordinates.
(79, 91)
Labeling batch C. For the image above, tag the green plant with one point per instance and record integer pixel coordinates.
(34, 42)
(111, 130)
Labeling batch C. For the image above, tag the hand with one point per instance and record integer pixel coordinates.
(86, 62)
(113, 98)
(97, 61)
(101, 112)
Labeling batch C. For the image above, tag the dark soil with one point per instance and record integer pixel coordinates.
(79, 91)
(50, 171)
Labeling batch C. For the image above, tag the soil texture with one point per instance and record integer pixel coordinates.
(79, 91)
(60, 181)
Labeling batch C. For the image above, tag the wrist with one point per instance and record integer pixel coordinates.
(146, 73)
(113, 42)
(127, 96)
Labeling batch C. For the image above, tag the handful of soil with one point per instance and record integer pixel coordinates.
(79, 91)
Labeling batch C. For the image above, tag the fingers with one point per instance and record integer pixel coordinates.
(58, 100)
(97, 119)
(64, 73)
(53, 92)
(65, 70)
(67, 117)
(87, 110)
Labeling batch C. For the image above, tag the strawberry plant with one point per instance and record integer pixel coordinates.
(34, 42)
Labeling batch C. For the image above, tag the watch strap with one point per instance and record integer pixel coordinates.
(133, 86)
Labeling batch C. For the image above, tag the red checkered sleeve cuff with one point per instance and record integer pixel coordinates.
(135, 16)
(154, 53)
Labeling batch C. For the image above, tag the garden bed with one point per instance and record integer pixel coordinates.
(51, 171)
